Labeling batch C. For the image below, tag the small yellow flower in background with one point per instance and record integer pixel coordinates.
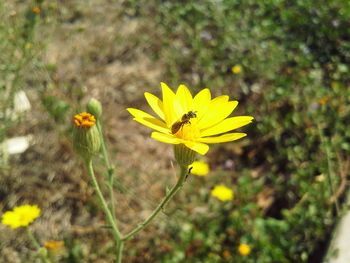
(236, 69)
(324, 100)
(54, 244)
(28, 46)
(192, 121)
(244, 249)
(21, 216)
(226, 254)
(320, 178)
(199, 168)
(222, 193)
(36, 10)
(84, 120)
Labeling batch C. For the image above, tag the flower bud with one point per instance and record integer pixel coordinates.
(86, 137)
(43, 252)
(184, 155)
(94, 107)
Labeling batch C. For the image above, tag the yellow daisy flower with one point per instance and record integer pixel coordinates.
(192, 121)
(36, 10)
(237, 69)
(21, 216)
(199, 168)
(244, 249)
(222, 193)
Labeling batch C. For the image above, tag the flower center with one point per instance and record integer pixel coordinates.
(84, 120)
(188, 131)
(22, 219)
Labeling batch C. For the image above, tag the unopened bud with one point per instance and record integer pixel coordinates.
(43, 252)
(86, 137)
(94, 107)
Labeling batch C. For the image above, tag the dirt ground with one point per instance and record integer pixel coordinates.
(95, 52)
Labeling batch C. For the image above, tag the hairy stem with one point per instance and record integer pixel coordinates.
(110, 169)
(105, 208)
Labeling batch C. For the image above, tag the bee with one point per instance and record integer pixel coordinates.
(184, 120)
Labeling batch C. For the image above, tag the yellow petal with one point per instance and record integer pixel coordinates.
(201, 102)
(227, 125)
(223, 138)
(198, 147)
(168, 104)
(148, 120)
(178, 109)
(184, 98)
(155, 103)
(139, 113)
(219, 109)
(154, 124)
(166, 138)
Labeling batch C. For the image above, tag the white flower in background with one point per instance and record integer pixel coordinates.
(17, 145)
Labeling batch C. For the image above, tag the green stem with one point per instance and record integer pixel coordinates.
(105, 208)
(32, 239)
(110, 169)
(104, 148)
(36, 245)
(161, 206)
(120, 246)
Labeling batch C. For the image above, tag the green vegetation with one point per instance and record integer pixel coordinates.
(295, 81)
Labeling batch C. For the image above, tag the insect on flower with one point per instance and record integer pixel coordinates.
(185, 119)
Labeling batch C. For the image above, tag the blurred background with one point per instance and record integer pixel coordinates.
(286, 62)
